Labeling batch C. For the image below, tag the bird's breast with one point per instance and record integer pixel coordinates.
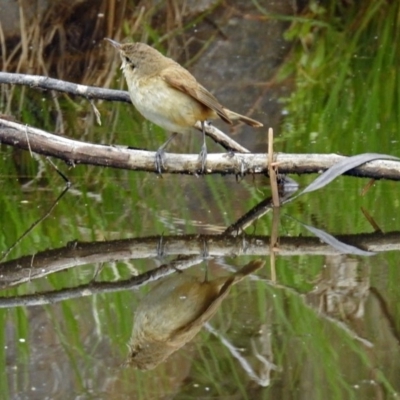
(165, 106)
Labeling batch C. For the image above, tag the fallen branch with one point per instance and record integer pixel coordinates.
(76, 152)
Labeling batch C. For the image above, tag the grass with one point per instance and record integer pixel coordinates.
(346, 99)
(346, 85)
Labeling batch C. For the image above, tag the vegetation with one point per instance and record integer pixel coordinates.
(344, 69)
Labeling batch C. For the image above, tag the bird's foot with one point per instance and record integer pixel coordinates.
(231, 153)
(203, 158)
(159, 160)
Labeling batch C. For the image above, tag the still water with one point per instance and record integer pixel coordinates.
(135, 286)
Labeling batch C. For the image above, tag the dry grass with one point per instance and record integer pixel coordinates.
(66, 41)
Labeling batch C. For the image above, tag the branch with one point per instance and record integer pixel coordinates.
(45, 83)
(189, 248)
(76, 152)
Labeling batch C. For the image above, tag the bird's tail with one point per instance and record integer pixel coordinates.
(248, 269)
(238, 276)
(235, 116)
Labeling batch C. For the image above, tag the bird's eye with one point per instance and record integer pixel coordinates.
(129, 62)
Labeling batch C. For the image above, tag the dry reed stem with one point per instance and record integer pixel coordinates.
(272, 174)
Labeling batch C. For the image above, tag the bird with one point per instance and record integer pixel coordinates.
(174, 311)
(168, 95)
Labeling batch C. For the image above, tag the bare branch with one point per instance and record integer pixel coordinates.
(188, 248)
(76, 152)
(45, 83)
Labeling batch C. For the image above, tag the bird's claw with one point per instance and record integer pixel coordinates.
(159, 161)
(203, 158)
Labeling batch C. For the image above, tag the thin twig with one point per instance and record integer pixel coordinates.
(27, 140)
(46, 83)
(272, 174)
(34, 225)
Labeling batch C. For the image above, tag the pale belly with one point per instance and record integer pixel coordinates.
(165, 106)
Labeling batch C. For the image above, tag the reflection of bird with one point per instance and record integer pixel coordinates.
(174, 311)
(169, 95)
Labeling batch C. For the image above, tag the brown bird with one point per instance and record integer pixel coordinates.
(174, 311)
(169, 95)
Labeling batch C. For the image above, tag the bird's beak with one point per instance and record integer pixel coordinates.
(114, 43)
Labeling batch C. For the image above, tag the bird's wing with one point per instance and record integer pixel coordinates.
(183, 81)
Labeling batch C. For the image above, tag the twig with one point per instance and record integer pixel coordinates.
(272, 174)
(274, 241)
(92, 288)
(43, 217)
(27, 141)
(43, 82)
(262, 381)
(34, 225)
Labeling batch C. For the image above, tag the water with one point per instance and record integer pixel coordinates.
(312, 323)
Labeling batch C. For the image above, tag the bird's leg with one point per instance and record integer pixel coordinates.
(203, 152)
(159, 162)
